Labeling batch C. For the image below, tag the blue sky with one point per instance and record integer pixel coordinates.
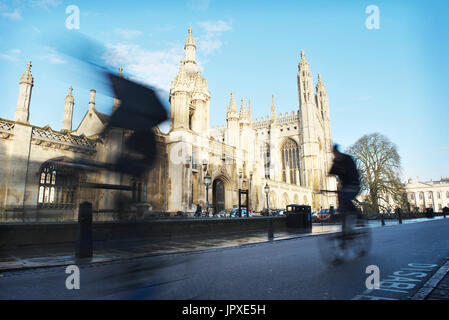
(391, 80)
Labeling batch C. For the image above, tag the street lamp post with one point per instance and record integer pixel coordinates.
(248, 201)
(267, 190)
(270, 220)
(207, 182)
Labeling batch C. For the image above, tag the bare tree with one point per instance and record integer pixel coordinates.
(379, 164)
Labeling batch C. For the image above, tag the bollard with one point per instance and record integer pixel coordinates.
(84, 240)
(400, 216)
(270, 228)
(382, 219)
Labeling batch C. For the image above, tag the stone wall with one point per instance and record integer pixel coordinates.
(19, 234)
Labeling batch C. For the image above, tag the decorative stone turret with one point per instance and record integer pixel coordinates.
(189, 94)
(190, 48)
(273, 108)
(92, 99)
(305, 81)
(68, 111)
(243, 115)
(23, 102)
(232, 123)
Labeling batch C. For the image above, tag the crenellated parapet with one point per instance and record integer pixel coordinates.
(46, 137)
(6, 128)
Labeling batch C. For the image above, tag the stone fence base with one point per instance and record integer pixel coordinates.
(18, 234)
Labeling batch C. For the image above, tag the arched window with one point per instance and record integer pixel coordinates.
(57, 186)
(290, 162)
(266, 157)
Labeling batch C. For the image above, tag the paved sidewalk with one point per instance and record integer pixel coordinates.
(441, 291)
(26, 257)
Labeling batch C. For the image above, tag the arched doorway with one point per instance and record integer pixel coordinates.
(218, 195)
(296, 199)
(285, 200)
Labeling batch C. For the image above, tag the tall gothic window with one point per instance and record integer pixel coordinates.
(57, 186)
(290, 161)
(266, 156)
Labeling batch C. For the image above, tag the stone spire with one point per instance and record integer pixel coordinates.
(303, 62)
(322, 99)
(250, 114)
(27, 77)
(273, 108)
(92, 99)
(232, 123)
(305, 81)
(68, 111)
(232, 113)
(190, 49)
(190, 40)
(26, 84)
(243, 110)
(232, 104)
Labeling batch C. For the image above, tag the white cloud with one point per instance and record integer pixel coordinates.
(14, 15)
(215, 28)
(52, 56)
(207, 46)
(45, 4)
(200, 5)
(11, 55)
(155, 68)
(210, 40)
(128, 33)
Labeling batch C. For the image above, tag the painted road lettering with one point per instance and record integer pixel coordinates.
(402, 282)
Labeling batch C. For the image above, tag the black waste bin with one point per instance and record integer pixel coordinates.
(299, 216)
(429, 213)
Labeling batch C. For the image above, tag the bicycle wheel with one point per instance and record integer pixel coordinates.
(361, 243)
(332, 249)
(339, 248)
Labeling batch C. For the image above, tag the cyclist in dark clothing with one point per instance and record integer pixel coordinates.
(345, 168)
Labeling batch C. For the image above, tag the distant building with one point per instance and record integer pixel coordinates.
(429, 194)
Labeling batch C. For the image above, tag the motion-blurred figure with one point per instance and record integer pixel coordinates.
(140, 110)
(345, 168)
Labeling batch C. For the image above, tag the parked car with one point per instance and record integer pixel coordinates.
(314, 217)
(323, 216)
(335, 215)
(235, 213)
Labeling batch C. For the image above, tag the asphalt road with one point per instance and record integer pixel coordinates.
(406, 255)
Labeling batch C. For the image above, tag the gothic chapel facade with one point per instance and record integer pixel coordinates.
(291, 153)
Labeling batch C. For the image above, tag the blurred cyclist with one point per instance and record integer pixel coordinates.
(345, 168)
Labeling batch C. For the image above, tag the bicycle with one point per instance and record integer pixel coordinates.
(354, 240)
